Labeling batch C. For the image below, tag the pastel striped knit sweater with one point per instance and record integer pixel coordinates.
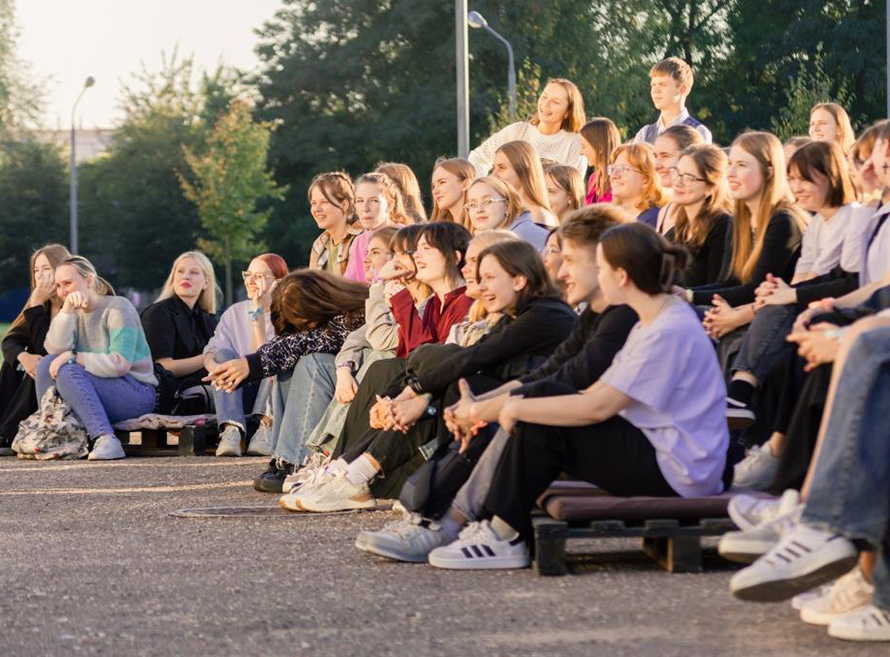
(109, 338)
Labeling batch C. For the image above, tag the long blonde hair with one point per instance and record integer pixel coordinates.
(775, 196)
(642, 158)
(86, 269)
(525, 162)
(396, 212)
(574, 118)
(55, 254)
(513, 206)
(403, 176)
(463, 170)
(845, 134)
(210, 296)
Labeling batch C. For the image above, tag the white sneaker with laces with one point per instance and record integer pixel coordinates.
(757, 470)
(748, 511)
(479, 548)
(801, 599)
(868, 623)
(307, 473)
(229, 442)
(410, 539)
(848, 593)
(106, 448)
(804, 558)
(749, 545)
(261, 441)
(338, 494)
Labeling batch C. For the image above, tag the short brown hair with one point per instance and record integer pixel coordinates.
(448, 239)
(650, 261)
(675, 68)
(587, 225)
(683, 136)
(519, 258)
(336, 187)
(307, 298)
(827, 160)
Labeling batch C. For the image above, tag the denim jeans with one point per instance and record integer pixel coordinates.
(99, 402)
(249, 399)
(299, 400)
(850, 491)
(764, 343)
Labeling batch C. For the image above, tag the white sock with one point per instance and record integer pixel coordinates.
(450, 525)
(503, 530)
(361, 471)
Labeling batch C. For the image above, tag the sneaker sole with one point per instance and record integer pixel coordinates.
(482, 563)
(297, 508)
(856, 634)
(346, 505)
(783, 589)
(822, 619)
(367, 546)
(744, 551)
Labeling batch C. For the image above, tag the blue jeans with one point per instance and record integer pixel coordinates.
(299, 400)
(99, 402)
(764, 344)
(249, 399)
(850, 491)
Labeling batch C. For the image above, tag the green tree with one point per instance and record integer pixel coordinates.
(230, 178)
(21, 93)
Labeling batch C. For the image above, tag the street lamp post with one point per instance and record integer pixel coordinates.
(477, 20)
(89, 82)
(463, 79)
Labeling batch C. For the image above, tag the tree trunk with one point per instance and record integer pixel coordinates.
(228, 258)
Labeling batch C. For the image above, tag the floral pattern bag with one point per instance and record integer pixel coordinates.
(51, 432)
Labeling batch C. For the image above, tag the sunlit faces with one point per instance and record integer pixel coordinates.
(578, 272)
(189, 279)
(499, 290)
(744, 175)
(589, 153)
(486, 209)
(448, 189)
(881, 161)
(823, 126)
(611, 281)
(559, 198)
(430, 262)
(505, 171)
(854, 167)
(627, 182)
(811, 196)
(325, 213)
(405, 264)
(378, 255)
(471, 260)
(689, 186)
(552, 256)
(553, 104)
(371, 206)
(258, 270)
(666, 155)
(43, 271)
(665, 91)
(69, 280)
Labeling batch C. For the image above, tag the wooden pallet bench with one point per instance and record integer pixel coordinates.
(670, 528)
(187, 441)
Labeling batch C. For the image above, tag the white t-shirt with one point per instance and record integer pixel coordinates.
(876, 260)
(562, 147)
(851, 255)
(670, 371)
(824, 241)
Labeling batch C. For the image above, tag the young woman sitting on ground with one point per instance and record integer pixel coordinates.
(635, 186)
(565, 189)
(600, 137)
(668, 147)
(494, 204)
(829, 122)
(97, 357)
(242, 329)
(332, 204)
(403, 176)
(450, 181)
(517, 164)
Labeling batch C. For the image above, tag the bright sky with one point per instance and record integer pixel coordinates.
(67, 40)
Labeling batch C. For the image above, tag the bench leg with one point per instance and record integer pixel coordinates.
(192, 441)
(679, 554)
(550, 547)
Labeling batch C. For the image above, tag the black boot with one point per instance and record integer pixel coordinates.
(272, 480)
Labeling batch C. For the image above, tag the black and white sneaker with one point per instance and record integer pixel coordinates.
(479, 548)
(272, 479)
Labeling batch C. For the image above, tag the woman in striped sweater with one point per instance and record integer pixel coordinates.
(97, 356)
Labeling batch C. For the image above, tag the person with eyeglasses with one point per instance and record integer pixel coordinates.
(243, 328)
(493, 204)
(635, 185)
(668, 147)
(862, 172)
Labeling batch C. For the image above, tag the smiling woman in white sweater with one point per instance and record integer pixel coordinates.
(552, 132)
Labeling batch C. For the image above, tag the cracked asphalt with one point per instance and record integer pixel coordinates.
(94, 564)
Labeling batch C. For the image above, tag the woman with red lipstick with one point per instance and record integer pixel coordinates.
(181, 322)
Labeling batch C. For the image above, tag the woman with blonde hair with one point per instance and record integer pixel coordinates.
(404, 178)
(552, 132)
(599, 137)
(23, 343)
(517, 164)
(181, 322)
(451, 179)
(494, 204)
(635, 185)
(98, 357)
(565, 189)
(830, 122)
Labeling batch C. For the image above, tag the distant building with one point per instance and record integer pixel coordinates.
(89, 143)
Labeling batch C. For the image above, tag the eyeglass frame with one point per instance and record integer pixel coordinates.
(676, 176)
(483, 204)
(618, 170)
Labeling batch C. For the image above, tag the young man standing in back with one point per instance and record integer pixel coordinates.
(670, 83)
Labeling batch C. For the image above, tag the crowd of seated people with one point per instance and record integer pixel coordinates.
(660, 317)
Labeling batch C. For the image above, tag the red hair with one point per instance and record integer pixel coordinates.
(276, 263)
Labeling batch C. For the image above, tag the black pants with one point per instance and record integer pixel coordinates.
(614, 455)
(18, 400)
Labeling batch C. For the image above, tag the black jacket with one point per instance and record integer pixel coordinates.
(707, 259)
(17, 391)
(175, 331)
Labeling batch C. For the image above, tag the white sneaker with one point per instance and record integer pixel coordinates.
(229, 442)
(306, 473)
(479, 548)
(261, 441)
(338, 494)
(803, 559)
(106, 448)
(749, 545)
(748, 511)
(847, 594)
(409, 539)
(799, 601)
(867, 623)
(757, 470)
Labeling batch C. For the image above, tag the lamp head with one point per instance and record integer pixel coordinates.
(89, 82)
(476, 20)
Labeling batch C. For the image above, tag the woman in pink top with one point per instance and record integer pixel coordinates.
(599, 137)
(378, 203)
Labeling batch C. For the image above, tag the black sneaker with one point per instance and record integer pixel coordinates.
(738, 415)
(272, 480)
